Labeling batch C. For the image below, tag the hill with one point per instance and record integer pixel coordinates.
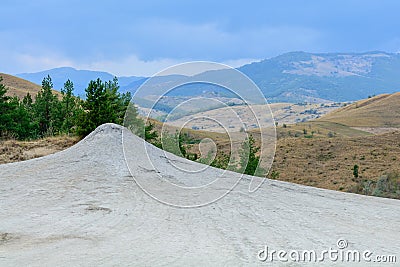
(382, 111)
(20, 87)
(80, 78)
(73, 207)
(283, 113)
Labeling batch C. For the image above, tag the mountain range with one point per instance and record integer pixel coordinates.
(331, 76)
(291, 77)
(80, 78)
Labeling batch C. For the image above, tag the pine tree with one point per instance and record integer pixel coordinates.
(355, 171)
(68, 105)
(46, 107)
(248, 158)
(5, 110)
(22, 126)
(105, 104)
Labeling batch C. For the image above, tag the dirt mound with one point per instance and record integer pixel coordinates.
(83, 206)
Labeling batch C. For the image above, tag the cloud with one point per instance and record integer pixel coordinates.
(16, 62)
(211, 41)
(130, 65)
(235, 63)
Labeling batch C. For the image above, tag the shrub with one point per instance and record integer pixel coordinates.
(355, 171)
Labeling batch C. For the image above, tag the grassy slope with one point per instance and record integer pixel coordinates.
(319, 129)
(328, 162)
(20, 87)
(378, 111)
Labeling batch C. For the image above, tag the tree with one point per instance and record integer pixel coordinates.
(23, 126)
(104, 104)
(45, 110)
(68, 105)
(93, 117)
(6, 111)
(150, 135)
(355, 171)
(248, 158)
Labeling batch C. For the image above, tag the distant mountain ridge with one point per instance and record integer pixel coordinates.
(80, 78)
(332, 76)
(291, 77)
(19, 87)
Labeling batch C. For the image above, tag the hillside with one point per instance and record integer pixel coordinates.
(20, 87)
(283, 113)
(382, 111)
(301, 76)
(328, 162)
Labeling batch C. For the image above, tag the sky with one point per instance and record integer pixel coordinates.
(143, 37)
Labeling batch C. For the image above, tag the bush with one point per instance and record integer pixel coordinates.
(355, 171)
(388, 185)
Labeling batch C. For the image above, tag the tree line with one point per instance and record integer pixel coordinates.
(49, 114)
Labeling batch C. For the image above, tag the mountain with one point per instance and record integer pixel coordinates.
(310, 77)
(291, 77)
(298, 76)
(80, 78)
(20, 87)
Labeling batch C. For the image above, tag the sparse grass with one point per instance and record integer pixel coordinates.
(378, 111)
(319, 129)
(387, 185)
(13, 151)
(20, 87)
(328, 162)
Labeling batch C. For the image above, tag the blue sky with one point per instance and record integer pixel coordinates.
(143, 37)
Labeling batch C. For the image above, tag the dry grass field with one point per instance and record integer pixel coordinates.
(328, 162)
(13, 151)
(379, 111)
(283, 113)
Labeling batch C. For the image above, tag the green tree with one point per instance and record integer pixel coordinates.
(16, 119)
(355, 171)
(5, 110)
(93, 116)
(151, 135)
(249, 160)
(23, 126)
(104, 104)
(70, 106)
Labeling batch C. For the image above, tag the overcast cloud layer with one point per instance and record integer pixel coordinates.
(143, 37)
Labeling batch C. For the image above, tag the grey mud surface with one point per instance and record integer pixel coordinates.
(82, 207)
